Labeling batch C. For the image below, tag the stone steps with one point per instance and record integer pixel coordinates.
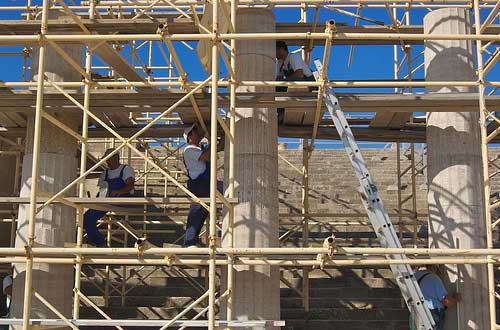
(291, 302)
(359, 324)
(292, 314)
(142, 313)
(360, 299)
(345, 314)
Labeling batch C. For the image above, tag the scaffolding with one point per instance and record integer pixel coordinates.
(124, 105)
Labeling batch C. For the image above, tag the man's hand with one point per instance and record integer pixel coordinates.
(452, 299)
(114, 193)
(222, 143)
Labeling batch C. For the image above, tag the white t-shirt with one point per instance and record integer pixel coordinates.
(293, 62)
(128, 172)
(192, 160)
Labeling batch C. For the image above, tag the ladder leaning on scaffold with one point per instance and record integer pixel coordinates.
(379, 218)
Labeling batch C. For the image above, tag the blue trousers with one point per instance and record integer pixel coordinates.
(197, 213)
(90, 219)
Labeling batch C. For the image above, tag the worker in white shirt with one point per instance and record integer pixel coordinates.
(119, 179)
(7, 291)
(197, 162)
(291, 67)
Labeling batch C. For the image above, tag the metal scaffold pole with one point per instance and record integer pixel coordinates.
(34, 169)
(142, 92)
(213, 166)
(483, 112)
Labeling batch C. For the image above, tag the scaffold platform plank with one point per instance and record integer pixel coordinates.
(183, 25)
(145, 323)
(125, 101)
(115, 201)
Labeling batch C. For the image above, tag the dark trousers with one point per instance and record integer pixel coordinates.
(437, 315)
(281, 111)
(197, 213)
(90, 219)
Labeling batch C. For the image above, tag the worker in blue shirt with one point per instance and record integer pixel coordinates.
(435, 294)
(197, 162)
(119, 180)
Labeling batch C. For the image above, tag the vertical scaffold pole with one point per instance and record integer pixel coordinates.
(83, 168)
(484, 154)
(34, 168)
(232, 125)
(213, 166)
(306, 154)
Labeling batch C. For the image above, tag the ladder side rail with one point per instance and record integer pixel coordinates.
(376, 210)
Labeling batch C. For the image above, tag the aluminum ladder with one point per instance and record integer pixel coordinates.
(377, 213)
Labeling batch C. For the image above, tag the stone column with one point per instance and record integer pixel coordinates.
(7, 188)
(58, 165)
(256, 289)
(455, 196)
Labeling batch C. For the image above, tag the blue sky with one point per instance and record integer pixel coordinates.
(369, 62)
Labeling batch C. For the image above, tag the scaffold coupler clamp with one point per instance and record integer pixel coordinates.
(169, 260)
(163, 31)
(34, 10)
(141, 246)
(331, 28)
(211, 241)
(28, 251)
(328, 243)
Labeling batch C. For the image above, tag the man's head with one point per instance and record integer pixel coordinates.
(434, 268)
(114, 161)
(7, 285)
(193, 135)
(281, 50)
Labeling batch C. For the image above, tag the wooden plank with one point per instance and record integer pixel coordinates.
(118, 103)
(183, 25)
(114, 200)
(5, 121)
(400, 119)
(414, 133)
(368, 134)
(382, 119)
(109, 55)
(17, 118)
(293, 117)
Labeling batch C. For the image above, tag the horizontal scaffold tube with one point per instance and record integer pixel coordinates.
(161, 252)
(265, 4)
(358, 261)
(71, 38)
(308, 2)
(333, 83)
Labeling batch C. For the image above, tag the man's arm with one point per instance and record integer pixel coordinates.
(452, 299)
(205, 155)
(125, 190)
(297, 64)
(93, 175)
(296, 74)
